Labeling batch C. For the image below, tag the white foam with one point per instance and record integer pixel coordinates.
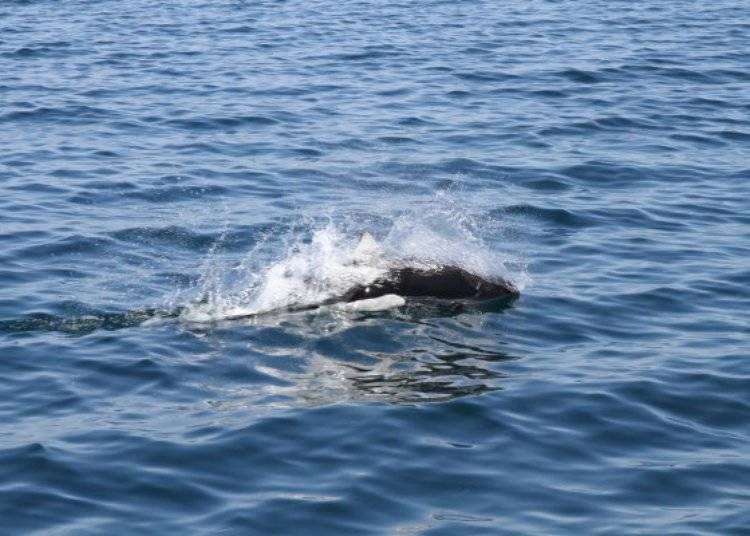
(316, 272)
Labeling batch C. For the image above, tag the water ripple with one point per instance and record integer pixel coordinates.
(160, 157)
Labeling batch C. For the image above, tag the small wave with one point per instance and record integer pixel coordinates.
(554, 216)
(580, 76)
(221, 123)
(173, 236)
(79, 115)
(168, 194)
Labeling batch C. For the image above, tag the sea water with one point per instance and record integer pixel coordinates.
(166, 167)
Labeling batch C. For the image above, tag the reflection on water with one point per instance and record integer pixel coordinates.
(429, 377)
(392, 360)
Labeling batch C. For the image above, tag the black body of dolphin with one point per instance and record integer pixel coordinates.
(443, 283)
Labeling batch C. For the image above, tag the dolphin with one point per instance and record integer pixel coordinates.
(445, 282)
(441, 283)
(405, 282)
(449, 285)
(445, 286)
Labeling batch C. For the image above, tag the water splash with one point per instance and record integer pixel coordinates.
(320, 258)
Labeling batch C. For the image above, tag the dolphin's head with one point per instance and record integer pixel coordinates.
(487, 289)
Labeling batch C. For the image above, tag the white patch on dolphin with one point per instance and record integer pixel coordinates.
(381, 303)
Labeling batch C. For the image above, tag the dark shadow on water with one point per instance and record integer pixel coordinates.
(83, 324)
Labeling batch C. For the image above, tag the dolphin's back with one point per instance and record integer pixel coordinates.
(446, 282)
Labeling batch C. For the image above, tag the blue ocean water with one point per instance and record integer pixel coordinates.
(165, 165)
